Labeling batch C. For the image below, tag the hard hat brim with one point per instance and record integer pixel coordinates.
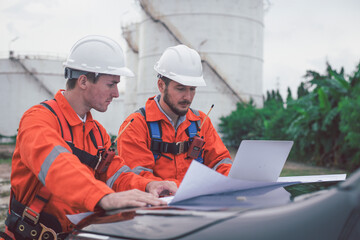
(182, 79)
(124, 71)
(188, 81)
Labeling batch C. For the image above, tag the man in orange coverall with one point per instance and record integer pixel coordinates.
(157, 142)
(55, 166)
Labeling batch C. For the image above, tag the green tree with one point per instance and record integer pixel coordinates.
(350, 124)
(323, 121)
(243, 123)
(315, 127)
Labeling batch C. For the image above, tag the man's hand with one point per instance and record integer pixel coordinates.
(161, 188)
(131, 198)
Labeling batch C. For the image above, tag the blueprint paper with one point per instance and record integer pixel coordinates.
(200, 180)
(76, 218)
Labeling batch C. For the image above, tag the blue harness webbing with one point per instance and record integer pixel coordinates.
(158, 146)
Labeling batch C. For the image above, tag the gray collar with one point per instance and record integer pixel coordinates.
(180, 120)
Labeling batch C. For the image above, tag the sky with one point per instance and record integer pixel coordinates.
(303, 35)
(299, 35)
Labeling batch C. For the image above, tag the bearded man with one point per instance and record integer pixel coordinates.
(165, 135)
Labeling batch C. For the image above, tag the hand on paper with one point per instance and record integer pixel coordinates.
(161, 188)
(131, 198)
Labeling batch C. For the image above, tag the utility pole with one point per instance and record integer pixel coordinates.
(11, 52)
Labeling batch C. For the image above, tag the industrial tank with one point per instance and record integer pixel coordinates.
(228, 36)
(26, 81)
(130, 33)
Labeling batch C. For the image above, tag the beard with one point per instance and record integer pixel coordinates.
(172, 106)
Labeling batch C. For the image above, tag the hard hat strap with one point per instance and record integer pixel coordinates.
(72, 73)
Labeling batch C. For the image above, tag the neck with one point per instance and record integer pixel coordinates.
(174, 117)
(76, 102)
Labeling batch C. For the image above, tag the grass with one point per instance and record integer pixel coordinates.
(6, 160)
(309, 171)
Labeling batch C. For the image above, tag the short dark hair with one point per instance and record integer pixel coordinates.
(164, 79)
(70, 84)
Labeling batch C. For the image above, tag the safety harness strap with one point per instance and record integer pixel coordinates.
(95, 136)
(28, 222)
(158, 146)
(5, 236)
(54, 108)
(98, 138)
(33, 211)
(156, 141)
(192, 129)
(95, 133)
(85, 157)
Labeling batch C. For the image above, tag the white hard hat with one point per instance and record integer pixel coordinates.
(181, 64)
(98, 54)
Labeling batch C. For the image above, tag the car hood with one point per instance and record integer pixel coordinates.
(190, 216)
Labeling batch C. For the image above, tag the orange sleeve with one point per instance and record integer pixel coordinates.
(44, 152)
(119, 176)
(215, 151)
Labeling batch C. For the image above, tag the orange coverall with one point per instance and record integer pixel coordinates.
(134, 145)
(42, 156)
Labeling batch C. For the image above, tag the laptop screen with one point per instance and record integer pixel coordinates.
(260, 160)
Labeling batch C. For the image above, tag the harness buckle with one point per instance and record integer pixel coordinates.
(104, 160)
(47, 233)
(181, 146)
(99, 154)
(31, 214)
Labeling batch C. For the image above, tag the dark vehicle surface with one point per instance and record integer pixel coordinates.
(319, 210)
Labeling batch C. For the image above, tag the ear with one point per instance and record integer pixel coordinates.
(82, 81)
(161, 85)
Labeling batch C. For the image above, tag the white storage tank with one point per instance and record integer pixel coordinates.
(130, 33)
(228, 36)
(26, 81)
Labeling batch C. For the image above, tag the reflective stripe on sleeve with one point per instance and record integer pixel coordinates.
(139, 169)
(112, 179)
(225, 160)
(48, 161)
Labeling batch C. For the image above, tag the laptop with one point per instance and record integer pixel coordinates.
(260, 160)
